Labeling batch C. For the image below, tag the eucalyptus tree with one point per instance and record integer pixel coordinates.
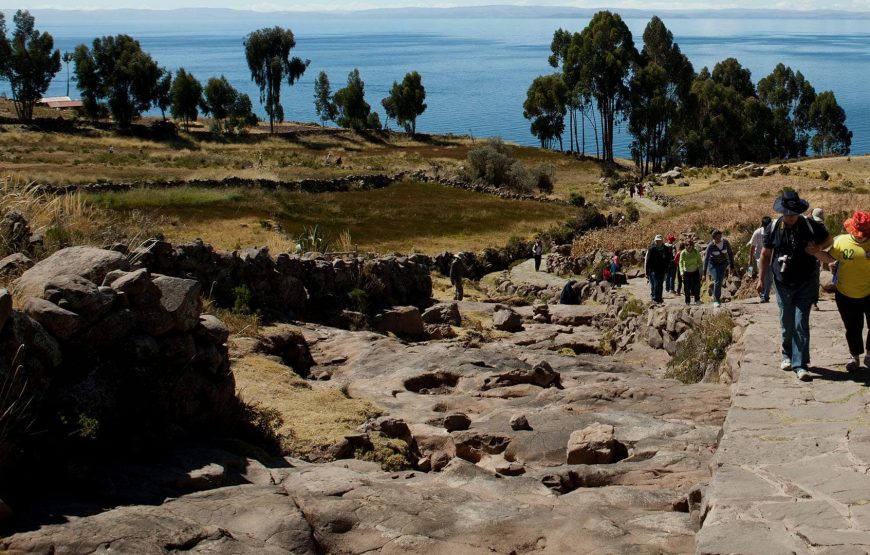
(186, 97)
(604, 61)
(406, 101)
(267, 52)
(545, 106)
(789, 95)
(115, 75)
(323, 104)
(828, 119)
(28, 61)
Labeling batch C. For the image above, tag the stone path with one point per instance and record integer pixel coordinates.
(648, 205)
(791, 472)
(524, 273)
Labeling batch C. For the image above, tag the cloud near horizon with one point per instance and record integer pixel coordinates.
(329, 5)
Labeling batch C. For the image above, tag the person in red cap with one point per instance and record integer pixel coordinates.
(671, 246)
(852, 253)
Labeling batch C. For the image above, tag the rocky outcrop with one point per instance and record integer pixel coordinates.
(125, 360)
(506, 319)
(14, 265)
(403, 321)
(291, 284)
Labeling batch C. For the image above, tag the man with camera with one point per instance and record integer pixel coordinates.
(791, 244)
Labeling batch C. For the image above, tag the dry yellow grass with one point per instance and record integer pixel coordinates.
(736, 207)
(313, 417)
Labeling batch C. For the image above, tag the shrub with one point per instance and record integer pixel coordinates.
(703, 350)
(242, 297)
(576, 199)
(824, 175)
(785, 170)
(544, 176)
(492, 163)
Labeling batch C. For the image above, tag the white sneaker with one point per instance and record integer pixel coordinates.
(853, 365)
(785, 364)
(715, 304)
(803, 375)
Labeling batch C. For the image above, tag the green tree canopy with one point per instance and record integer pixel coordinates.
(730, 73)
(659, 93)
(268, 54)
(186, 97)
(28, 61)
(545, 106)
(789, 96)
(829, 121)
(352, 110)
(406, 101)
(609, 54)
(163, 93)
(323, 98)
(118, 76)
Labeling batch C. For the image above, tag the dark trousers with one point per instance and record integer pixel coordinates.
(656, 285)
(537, 262)
(679, 282)
(854, 313)
(670, 277)
(692, 285)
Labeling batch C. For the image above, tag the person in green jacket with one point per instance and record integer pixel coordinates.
(690, 269)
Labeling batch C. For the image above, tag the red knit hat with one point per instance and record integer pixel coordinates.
(671, 238)
(858, 225)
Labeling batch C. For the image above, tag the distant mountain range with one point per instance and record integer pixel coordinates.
(472, 12)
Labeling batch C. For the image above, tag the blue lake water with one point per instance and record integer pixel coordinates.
(477, 71)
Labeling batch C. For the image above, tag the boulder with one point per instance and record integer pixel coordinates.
(5, 511)
(456, 421)
(520, 422)
(14, 265)
(180, 298)
(5, 307)
(403, 321)
(87, 262)
(592, 445)
(15, 232)
(131, 283)
(57, 321)
(447, 313)
(78, 294)
(288, 343)
(216, 329)
(542, 375)
(505, 319)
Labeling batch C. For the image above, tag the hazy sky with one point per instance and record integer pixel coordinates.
(272, 5)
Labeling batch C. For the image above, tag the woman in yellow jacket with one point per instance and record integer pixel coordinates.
(852, 253)
(690, 269)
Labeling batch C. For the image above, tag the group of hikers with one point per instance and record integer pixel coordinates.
(788, 255)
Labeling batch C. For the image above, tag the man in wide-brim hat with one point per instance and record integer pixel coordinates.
(791, 247)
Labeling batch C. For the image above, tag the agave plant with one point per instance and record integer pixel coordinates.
(313, 239)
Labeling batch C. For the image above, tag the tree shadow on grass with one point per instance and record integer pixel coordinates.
(831, 375)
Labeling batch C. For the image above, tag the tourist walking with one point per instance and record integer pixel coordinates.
(851, 251)
(656, 267)
(791, 244)
(457, 273)
(537, 251)
(690, 269)
(681, 246)
(756, 246)
(671, 275)
(718, 258)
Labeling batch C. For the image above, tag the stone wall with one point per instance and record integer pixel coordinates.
(291, 284)
(335, 185)
(103, 356)
(560, 264)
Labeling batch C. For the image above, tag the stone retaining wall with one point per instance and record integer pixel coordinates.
(291, 284)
